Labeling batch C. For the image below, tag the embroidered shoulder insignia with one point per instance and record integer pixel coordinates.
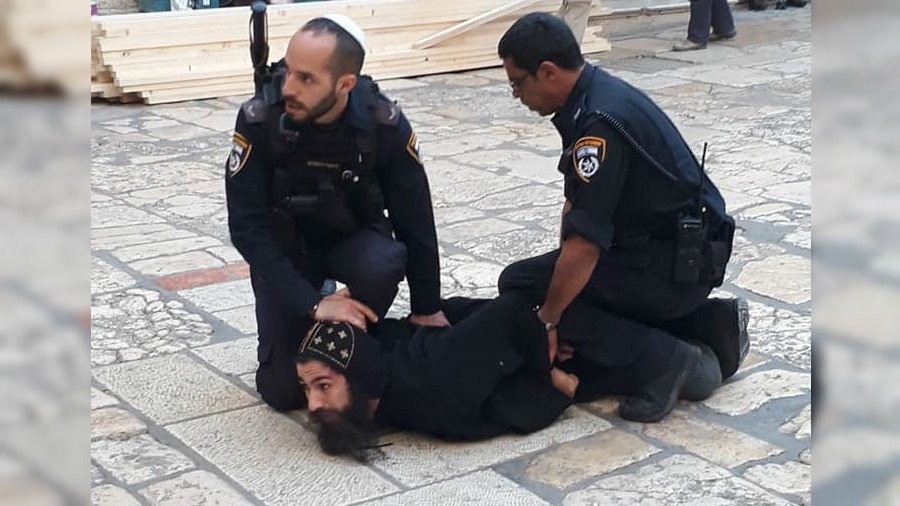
(412, 147)
(240, 152)
(255, 110)
(588, 155)
(387, 112)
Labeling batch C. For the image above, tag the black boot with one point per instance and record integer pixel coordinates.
(658, 396)
(780, 5)
(721, 324)
(797, 3)
(705, 377)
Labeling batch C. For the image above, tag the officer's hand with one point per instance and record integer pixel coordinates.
(553, 344)
(432, 320)
(337, 308)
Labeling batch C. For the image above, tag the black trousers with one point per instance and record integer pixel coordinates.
(638, 309)
(706, 13)
(369, 262)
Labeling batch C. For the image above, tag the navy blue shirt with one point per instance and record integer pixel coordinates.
(403, 183)
(616, 194)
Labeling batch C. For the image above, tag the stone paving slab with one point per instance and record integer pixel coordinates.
(100, 399)
(483, 488)
(115, 423)
(415, 460)
(219, 296)
(758, 388)
(138, 459)
(680, 479)
(106, 278)
(241, 318)
(243, 442)
(579, 460)
(168, 389)
(195, 487)
(720, 445)
(232, 357)
(111, 495)
(791, 478)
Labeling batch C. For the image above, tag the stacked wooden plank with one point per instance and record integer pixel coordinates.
(173, 56)
(42, 47)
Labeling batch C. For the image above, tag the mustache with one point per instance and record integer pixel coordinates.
(325, 416)
(294, 103)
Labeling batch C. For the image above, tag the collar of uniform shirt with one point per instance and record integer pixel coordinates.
(564, 115)
(357, 114)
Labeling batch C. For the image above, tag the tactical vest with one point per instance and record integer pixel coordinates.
(323, 177)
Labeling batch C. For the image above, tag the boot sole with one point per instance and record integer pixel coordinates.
(743, 311)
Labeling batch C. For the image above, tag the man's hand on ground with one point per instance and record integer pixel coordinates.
(432, 320)
(341, 308)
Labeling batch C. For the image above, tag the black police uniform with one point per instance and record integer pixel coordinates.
(308, 203)
(632, 181)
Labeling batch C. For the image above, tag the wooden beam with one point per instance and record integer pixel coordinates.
(468, 24)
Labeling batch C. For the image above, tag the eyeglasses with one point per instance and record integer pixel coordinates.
(516, 83)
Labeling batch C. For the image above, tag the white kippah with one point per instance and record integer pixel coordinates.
(350, 26)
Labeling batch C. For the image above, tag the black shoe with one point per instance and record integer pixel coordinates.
(722, 325)
(659, 395)
(797, 3)
(705, 377)
(715, 37)
(688, 45)
(780, 5)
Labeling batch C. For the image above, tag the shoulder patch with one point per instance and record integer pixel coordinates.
(255, 110)
(387, 112)
(588, 155)
(240, 152)
(412, 147)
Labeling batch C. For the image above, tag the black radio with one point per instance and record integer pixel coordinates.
(691, 238)
(689, 249)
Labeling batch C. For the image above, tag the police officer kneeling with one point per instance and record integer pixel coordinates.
(644, 232)
(319, 158)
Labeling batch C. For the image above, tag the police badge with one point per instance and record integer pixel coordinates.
(412, 147)
(240, 152)
(587, 155)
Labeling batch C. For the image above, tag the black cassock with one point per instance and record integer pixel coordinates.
(486, 375)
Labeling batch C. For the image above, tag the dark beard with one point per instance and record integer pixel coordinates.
(349, 433)
(320, 109)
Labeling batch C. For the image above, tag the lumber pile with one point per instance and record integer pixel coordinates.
(43, 47)
(173, 56)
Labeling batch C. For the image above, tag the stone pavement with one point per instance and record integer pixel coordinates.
(176, 420)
